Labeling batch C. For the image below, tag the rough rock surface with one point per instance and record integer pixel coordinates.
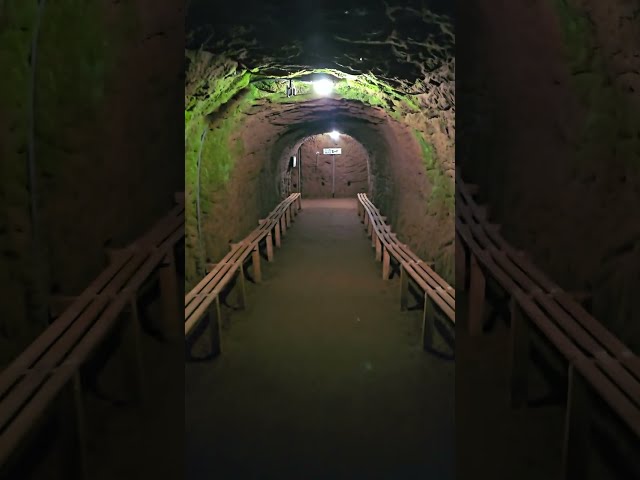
(106, 169)
(567, 187)
(351, 168)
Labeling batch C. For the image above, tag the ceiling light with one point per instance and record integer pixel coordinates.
(323, 87)
(335, 135)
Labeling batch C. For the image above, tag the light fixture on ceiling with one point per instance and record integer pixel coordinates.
(335, 135)
(323, 87)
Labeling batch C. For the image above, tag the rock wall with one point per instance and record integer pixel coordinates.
(395, 75)
(566, 184)
(351, 168)
(105, 92)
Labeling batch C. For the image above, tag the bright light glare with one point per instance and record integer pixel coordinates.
(335, 135)
(323, 87)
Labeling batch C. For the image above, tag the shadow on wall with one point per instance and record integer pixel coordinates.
(90, 169)
(324, 175)
(565, 191)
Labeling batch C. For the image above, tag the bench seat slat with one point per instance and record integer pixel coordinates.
(199, 299)
(420, 272)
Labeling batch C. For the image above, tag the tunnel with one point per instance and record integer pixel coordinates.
(340, 103)
(400, 154)
(273, 294)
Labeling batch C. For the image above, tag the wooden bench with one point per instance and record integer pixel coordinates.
(50, 365)
(437, 292)
(597, 360)
(204, 299)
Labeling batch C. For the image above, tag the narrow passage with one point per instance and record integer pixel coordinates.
(321, 376)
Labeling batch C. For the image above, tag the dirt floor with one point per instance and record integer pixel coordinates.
(322, 376)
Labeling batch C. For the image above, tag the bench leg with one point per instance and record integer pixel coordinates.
(370, 229)
(577, 428)
(461, 265)
(242, 293)
(378, 249)
(255, 259)
(133, 370)
(359, 209)
(366, 221)
(283, 225)
(278, 239)
(269, 240)
(386, 264)
(428, 322)
(476, 298)
(215, 334)
(519, 355)
(404, 288)
(72, 423)
(171, 325)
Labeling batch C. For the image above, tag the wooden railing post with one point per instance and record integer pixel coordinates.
(461, 260)
(132, 358)
(269, 240)
(404, 288)
(72, 422)
(428, 322)
(386, 264)
(278, 239)
(242, 293)
(519, 355)
(171, 328)
(378, 249)
(577, 428)
(215, 332)
(476, 298)
(255, 260)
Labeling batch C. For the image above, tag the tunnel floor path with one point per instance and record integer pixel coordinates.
(322, 376)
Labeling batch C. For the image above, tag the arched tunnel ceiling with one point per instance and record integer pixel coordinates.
(407, 43)
(395, 95)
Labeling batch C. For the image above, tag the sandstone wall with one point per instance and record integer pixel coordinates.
(351, 168)
(566, 185)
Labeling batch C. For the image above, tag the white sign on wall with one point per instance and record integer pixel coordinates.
(332, 151)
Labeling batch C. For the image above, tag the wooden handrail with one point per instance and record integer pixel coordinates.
(437, 292)
(204, 300)
(594, 354)
(51, 363)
